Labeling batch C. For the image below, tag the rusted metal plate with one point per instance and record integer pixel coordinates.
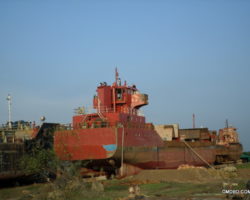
(85, 144)
(10, 155)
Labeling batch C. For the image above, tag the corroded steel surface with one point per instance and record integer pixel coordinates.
(85, 144)
(10, 154)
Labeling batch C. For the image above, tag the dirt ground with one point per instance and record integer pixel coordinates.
(183, 184)
(192, 183)
(244, 173)
(192, 175)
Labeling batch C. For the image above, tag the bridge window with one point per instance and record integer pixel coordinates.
(119, 94)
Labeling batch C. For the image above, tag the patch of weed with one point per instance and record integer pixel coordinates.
(243, 166)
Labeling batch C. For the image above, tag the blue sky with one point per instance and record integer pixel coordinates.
(189, 56)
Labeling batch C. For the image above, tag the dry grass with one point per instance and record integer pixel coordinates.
(151, 185)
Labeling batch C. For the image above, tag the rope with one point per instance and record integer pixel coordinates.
(197, 154)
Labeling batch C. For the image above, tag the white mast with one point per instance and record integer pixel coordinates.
(9, 108)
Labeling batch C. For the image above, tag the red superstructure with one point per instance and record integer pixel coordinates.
(117, 133)
(114, 104)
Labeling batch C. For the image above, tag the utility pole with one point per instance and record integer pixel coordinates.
(9, 108)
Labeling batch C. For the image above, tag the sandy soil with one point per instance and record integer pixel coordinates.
(244, 173)
(192, 175)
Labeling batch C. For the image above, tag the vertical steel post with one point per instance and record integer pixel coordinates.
(122, 156)
(193, 120)
(114, 102)
(227, 123)
(9, 109)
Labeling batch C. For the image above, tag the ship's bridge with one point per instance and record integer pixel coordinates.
(118, 98)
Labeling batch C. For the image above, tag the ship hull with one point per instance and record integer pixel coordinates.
(168, 157)
(85, 144)
(228, 153)
(140, 147)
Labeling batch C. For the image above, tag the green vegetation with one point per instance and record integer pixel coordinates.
(17, 192)
(113, 189)
(174, 189)
(39, 162)
(243, 166)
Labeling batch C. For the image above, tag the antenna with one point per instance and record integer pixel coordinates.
(9, 108)
(193, 120)
(116, 75)
(226, 123)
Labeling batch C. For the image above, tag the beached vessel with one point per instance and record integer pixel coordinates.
(117, 133)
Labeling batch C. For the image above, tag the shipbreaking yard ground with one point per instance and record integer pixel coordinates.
(184, 184)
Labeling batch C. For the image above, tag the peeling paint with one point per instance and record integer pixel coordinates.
(110, 147)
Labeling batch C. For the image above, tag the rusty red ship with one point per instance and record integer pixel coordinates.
(118, 134)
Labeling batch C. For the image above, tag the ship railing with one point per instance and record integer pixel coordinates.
(105, 124)
(140, 113)
(8, 136)
(96, 124)
(105, 109)
(67, 126)
(17, 126)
